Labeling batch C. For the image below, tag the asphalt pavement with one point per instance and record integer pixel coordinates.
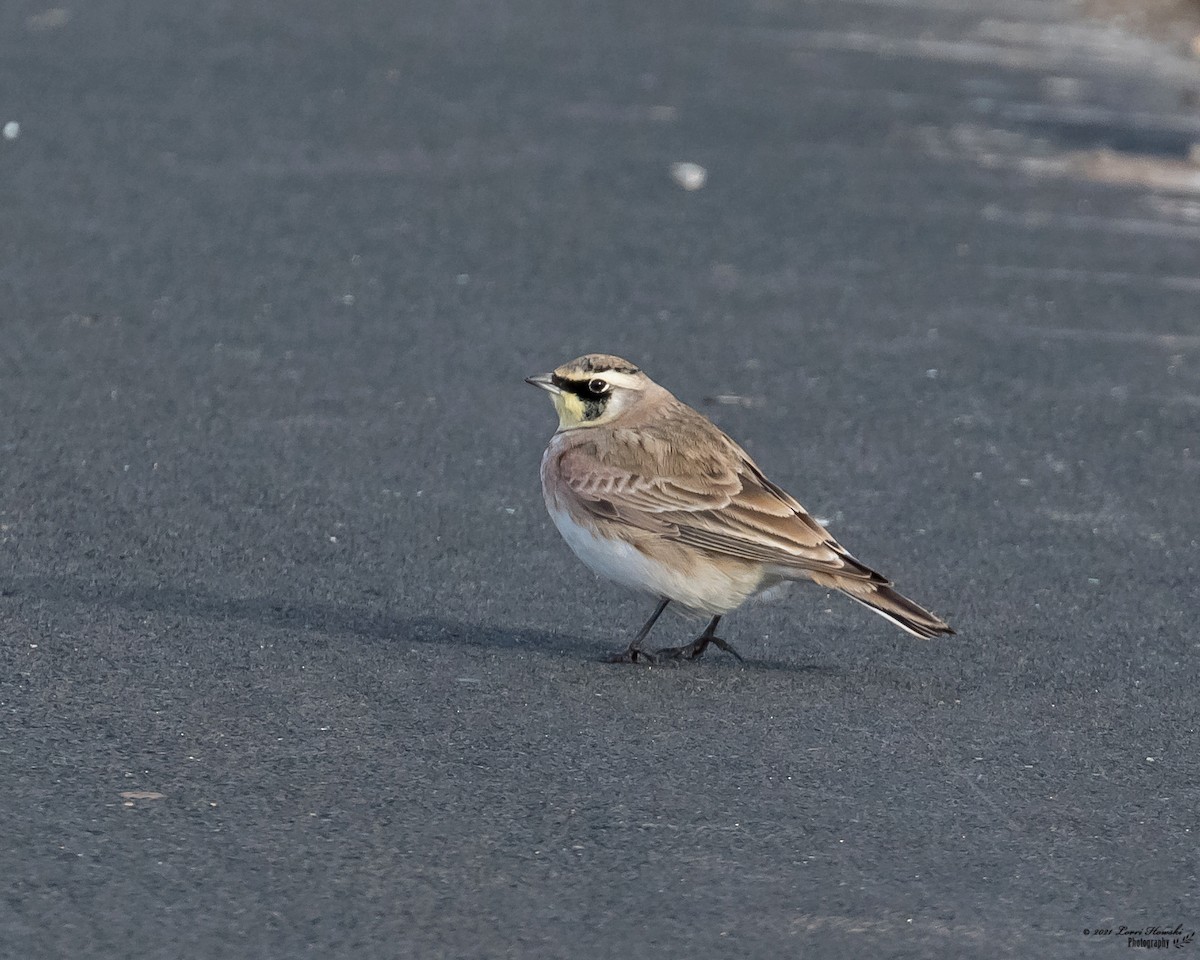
(292, 661)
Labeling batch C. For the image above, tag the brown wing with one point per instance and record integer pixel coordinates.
(687, 481)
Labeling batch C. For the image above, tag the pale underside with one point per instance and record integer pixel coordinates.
(675, 508)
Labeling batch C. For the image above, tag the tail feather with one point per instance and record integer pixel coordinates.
(894, 606)
(876, 593)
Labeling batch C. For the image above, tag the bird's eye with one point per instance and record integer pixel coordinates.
(598, 387)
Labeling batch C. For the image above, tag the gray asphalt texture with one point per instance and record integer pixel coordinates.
(272, 548)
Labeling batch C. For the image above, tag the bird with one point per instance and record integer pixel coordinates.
(651, 494)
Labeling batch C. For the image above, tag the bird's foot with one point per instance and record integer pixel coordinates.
(695, 649)
(632, 655)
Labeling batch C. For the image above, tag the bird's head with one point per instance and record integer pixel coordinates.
(592, 390)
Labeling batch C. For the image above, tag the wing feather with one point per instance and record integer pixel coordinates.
(702, 491)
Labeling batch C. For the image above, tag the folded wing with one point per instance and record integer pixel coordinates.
(710, 496)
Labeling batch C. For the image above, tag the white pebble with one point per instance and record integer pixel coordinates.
(12, 130)
(690, 176)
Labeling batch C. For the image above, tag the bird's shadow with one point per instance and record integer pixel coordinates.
(369, 623)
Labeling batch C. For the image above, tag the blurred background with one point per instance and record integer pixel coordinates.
(292, 655)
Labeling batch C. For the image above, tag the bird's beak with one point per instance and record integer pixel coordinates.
(545, 381)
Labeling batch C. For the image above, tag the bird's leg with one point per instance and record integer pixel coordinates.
(695, 649)
(634, 653)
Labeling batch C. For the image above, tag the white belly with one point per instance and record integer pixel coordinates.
(695, 582)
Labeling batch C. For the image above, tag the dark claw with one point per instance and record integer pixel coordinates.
(632, 655)
(724, 645)
(690, 651)
(695, 649)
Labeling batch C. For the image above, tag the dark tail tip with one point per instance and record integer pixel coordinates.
(907, 614)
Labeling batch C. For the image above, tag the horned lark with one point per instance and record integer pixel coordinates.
(651, 494)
